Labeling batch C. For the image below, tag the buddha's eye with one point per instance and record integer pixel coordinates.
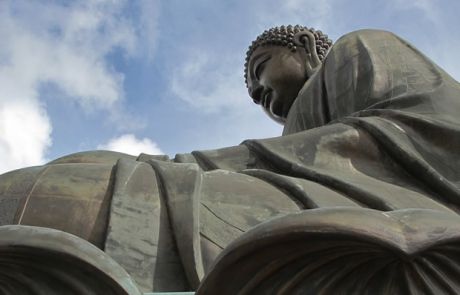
(260, 67)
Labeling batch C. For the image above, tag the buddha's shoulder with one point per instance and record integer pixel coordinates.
(367, 37)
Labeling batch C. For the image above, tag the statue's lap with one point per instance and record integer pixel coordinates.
(74, 198)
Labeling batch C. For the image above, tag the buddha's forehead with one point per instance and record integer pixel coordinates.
(263, 51)
(268, 50)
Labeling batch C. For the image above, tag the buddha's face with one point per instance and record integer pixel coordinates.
(275, 77)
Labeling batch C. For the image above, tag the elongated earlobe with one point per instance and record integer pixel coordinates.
(305, 40)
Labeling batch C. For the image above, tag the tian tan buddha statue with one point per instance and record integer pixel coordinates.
(359, 196)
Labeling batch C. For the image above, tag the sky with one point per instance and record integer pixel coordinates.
(166, 77)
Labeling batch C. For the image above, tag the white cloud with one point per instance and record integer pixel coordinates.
(129, 144)
(210, 82)
(24, 135)
(66, 45)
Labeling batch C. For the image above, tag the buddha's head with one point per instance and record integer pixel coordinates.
(279, 62)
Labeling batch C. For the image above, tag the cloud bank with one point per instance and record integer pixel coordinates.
(64, 45)
(129, 144)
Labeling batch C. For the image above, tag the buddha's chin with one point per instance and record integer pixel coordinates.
(276, 108)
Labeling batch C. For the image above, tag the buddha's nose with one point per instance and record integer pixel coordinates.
(255, 93)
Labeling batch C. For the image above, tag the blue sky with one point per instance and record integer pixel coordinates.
(165, 76)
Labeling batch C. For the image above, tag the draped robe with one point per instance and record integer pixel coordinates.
(376, 127)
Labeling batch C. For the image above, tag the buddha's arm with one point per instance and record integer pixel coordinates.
(95, 157)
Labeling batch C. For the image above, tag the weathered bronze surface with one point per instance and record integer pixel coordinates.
(360, 195)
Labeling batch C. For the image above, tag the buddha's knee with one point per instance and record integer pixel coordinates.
(74, 198)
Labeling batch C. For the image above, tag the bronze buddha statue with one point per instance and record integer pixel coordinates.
(360, 194)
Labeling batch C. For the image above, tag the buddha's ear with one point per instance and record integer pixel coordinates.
(305, 40)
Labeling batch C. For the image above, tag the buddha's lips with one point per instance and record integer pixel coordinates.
(266, 98)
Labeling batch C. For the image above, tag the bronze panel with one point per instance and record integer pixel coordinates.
(74, 198)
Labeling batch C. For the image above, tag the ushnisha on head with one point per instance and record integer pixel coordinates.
(279, 62)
